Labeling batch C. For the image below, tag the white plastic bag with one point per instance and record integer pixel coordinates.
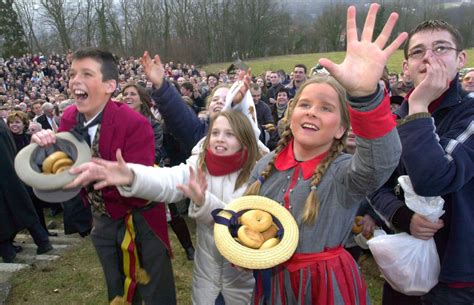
(361, 240)
(247, 107)
(430, 207)
(410, 265)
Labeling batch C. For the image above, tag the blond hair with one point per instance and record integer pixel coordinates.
(20, 115)
(211, 95)
(244, 133)
(312, 204)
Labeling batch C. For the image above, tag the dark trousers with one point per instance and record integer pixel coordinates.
(355, 252)
(393, 297)
(39, 206)
(77, 217)
(441, 294)
(107, 235)
(7, 252)
(220, 300)
(37, 232)
(179, 226)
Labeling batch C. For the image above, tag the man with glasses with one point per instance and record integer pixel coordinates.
(468, 80)
(437, 133)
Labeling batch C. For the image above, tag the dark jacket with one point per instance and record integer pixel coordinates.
(21, 140)
(181, 121)
(43, 120)
(16, 209)
(158, 135)
(264, 113)
(273, 90)
(438, 155)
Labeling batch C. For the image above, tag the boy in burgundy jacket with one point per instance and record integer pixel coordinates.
(129, 234)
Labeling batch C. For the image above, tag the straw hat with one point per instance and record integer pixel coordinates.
(240, 255)
(49, 187)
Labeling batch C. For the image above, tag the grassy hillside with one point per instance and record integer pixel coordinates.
(287, 62)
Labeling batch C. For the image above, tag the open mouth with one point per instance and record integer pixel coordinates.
(220, 149)
(80, 95)
(309, 126)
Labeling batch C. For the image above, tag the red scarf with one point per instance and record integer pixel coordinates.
(224, 165)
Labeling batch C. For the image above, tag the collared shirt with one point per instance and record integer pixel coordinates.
(92, 130)
(286, 160)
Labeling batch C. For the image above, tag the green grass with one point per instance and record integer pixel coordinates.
(287, 62)
(76, 278)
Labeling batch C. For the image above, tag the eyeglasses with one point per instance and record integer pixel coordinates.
(419, 53)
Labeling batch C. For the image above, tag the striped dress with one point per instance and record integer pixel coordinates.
(321, 271)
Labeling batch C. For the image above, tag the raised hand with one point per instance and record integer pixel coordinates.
(363, 65)
(103, 173)
(246, 79)
(196, 188)
(153, 69)
(431, 87)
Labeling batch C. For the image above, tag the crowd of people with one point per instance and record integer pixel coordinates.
(338, 142)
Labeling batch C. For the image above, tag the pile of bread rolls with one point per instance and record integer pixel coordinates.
(257, 230)
(56, 163)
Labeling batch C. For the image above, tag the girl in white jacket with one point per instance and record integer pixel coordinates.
(223, 161)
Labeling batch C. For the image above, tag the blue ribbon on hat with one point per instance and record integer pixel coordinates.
(233, 221)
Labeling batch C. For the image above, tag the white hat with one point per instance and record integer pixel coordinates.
(49, 187)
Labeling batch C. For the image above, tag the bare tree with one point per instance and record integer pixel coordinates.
(61, 15)
(182, 12)
(166, 27)
(127, 26)
(100, 9)
(146, 26)
(27, 14)
(202, 31)
(330, 26)
(115, 29)
(89, 17)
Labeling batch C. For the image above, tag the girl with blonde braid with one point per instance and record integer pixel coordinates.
(319, 184)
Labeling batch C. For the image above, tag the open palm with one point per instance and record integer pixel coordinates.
(102, 173)
(365, 59)
(153, 69)
(196, 187)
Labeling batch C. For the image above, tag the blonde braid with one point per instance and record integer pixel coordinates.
(254, 188)
(312, 204)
